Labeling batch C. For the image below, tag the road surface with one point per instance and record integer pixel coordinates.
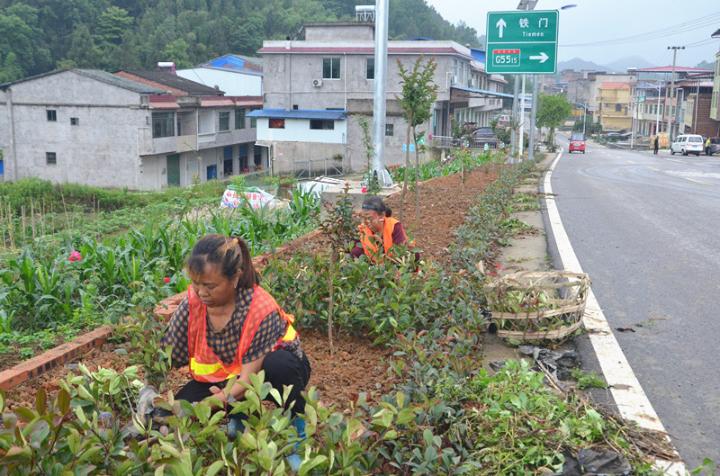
(647, 230)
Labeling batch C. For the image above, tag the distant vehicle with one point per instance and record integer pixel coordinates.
(714, 145)
(485, 135)
(687, 144)
(577, 143)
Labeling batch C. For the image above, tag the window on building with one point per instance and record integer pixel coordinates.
(163, 124)
(295, 107)
(253, 123)
(239, 118)
(389, 130)
(51, 158)
(74, 121)
(331, 68)
(277, 124)
(370, 68)
(618, 107)
(322, 124)
(51, 115)
(223, 121)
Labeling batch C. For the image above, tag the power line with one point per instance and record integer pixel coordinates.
(691, 25)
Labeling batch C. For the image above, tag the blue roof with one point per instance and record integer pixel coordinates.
(333, 115)
(236, 63)
(478, 55)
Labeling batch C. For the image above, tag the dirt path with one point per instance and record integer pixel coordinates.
(444, 202)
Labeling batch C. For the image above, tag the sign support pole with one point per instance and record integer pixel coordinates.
(533, 117)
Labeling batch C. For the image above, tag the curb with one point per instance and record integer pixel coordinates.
(53, 358)
(630, 399)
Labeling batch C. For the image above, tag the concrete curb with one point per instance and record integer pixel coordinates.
(630, 398)
(53, 358)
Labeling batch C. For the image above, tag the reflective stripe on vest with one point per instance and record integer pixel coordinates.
(205, 366)
(369, 241)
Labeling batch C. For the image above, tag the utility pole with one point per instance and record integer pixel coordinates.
(672, 87)
(381, 59)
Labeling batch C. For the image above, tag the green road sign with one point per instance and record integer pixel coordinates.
(522, 42)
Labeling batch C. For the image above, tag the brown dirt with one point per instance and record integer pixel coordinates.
(356, 367)
(444, 202)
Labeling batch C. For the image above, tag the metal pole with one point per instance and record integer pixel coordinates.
(533, 116)
(657, 113)
(381, 46)
(633, 105)
(672, 87)
(696, 104)
(513, 131)
(584, 116)
(521, 138)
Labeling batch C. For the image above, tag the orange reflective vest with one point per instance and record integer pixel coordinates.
(369, 242)
(205, 366)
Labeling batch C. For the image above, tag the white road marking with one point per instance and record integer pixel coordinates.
(630, 398)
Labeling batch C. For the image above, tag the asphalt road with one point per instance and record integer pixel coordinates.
(647, 230)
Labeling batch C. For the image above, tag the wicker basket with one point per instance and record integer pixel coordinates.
(555, 303)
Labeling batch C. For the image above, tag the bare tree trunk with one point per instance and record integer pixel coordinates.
(417, 173)
(331, 299)
(407, 169)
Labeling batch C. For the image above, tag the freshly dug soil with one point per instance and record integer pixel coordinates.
(356, 367)
(444, 203)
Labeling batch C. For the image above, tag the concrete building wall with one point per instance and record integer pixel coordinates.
(299, 130)
(715, 100)
(288, 80)
(4, 135)
(293, 157)
(347, 31)
(233, 83)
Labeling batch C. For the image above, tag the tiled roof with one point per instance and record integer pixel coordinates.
(98, 75)
(174, 81)
(333, 115)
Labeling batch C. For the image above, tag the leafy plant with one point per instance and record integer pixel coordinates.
(588, 379)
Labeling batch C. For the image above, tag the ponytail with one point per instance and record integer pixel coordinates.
(250, 277)
(230, 254)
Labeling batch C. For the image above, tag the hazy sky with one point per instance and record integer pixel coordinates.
(595, 20)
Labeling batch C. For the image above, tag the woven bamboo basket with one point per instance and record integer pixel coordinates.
(537, 306)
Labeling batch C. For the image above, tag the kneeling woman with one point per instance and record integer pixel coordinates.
(378, 227)
(229, 326)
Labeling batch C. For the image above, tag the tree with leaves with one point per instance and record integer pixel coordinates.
(419, 93)
(552, 111)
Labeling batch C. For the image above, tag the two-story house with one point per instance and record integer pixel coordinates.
(136, 130)
(318, 93)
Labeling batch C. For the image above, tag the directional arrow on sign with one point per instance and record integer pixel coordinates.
(542, 57)
(501, 27)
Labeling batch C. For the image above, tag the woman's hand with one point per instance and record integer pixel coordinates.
(219, 393)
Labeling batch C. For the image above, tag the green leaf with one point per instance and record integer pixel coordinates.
(215, 468)
(37, 432)
(309, 465)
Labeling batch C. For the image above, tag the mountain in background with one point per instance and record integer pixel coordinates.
(622, 65)
(706, 65)
(40, 35)
(578, 64)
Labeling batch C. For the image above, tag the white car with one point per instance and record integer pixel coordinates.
(687, 144)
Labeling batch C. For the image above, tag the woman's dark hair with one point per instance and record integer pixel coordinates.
(230, 253)
(376, 204)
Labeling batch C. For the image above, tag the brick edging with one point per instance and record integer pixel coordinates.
(52, 358)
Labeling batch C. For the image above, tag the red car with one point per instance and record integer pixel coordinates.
(577, 143)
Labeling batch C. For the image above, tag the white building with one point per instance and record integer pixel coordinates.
(234, 74)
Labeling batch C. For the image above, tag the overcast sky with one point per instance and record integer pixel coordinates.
(596, 20)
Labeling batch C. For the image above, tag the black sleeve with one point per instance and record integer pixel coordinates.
(176, 335)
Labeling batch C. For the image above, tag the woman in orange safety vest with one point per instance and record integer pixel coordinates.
(379, 231)
(228, 326)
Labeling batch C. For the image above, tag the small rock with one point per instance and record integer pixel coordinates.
(121, 351)
(72, 366)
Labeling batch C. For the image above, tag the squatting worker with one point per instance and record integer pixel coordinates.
(229, 326)
(377, 227)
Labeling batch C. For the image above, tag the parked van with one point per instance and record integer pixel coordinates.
(687, 144)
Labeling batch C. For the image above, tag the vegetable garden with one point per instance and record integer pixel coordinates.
(404, 391)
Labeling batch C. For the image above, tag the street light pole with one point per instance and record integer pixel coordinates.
(381, 59)
(657, 111)
(672, 87)
(584, 117)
